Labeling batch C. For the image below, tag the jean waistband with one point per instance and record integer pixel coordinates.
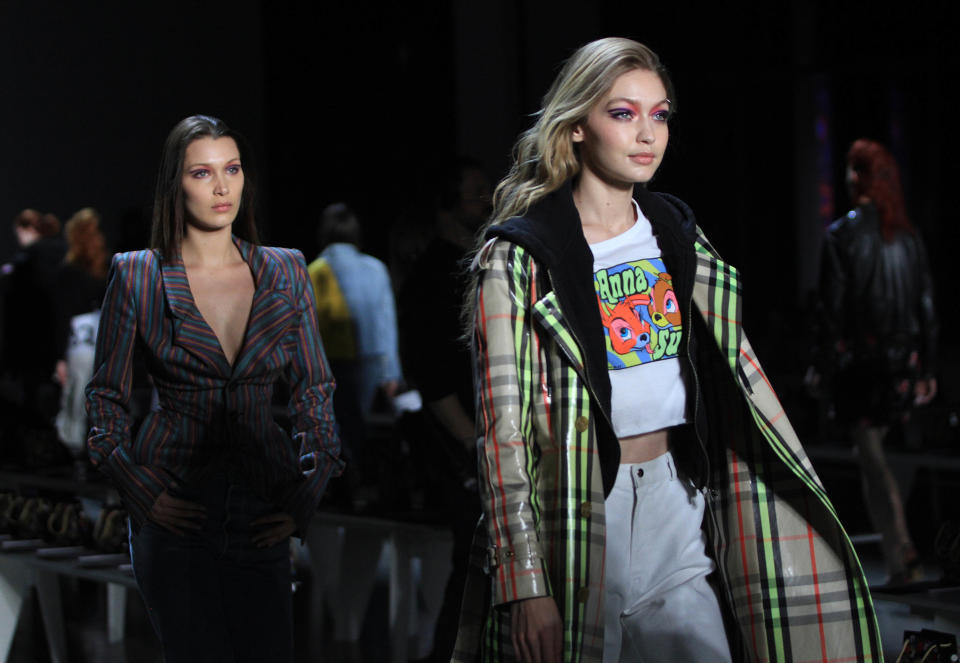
(661, 468)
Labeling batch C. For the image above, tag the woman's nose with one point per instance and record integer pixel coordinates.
(645, 132)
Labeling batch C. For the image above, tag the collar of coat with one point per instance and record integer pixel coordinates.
(273, 308)
(267, 273)
(552, 232)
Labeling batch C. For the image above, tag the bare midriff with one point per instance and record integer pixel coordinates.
(641, 448)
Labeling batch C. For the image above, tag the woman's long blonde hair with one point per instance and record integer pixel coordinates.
(544, 156)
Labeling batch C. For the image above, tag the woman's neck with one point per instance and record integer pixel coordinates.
(605, 210)
(208, 249)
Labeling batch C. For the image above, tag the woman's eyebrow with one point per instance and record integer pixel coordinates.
(207, 165)
(635, 102)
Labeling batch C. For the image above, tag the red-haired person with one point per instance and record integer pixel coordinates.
(79, 292)
(881, 329)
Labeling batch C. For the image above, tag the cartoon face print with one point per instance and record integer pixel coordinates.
(639, 311)
(627, 330)
(663, 306)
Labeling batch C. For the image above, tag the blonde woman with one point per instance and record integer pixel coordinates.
(644, 497)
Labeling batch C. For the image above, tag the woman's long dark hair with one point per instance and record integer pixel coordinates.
(878, 178)
(169, 225)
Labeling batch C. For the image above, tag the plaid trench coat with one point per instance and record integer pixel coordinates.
(789, 577)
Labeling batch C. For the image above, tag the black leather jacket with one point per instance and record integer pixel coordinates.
(877, 295)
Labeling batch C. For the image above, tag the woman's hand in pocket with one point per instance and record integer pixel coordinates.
(177, 515)
(276, 527)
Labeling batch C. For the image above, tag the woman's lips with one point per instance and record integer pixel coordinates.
(645, 159)
(222, 207)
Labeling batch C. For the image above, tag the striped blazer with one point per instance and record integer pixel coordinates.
(790, 578)
(209, 411)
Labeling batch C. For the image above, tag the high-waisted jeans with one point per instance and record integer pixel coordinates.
(213, 596)
(659, 605)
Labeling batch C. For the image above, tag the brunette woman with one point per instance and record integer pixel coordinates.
(620, 402)
(213, 485)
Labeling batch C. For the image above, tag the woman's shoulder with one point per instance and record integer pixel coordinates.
(285, 264)
(140, 259)
(282, 254)
(861, 219)
(503, 254)
(845, 223)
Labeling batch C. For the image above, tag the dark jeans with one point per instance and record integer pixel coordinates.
(214, 596)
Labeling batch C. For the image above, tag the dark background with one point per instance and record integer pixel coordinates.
(367, 102)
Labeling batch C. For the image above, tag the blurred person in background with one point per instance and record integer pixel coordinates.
(79, 290)
(880, 327)
(437, 362)
(358, 323)
(29, 353)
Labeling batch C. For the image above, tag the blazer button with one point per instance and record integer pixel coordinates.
(583, 594)
(586, 509)
(581, 424)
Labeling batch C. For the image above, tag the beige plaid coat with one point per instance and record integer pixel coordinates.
(789, 575)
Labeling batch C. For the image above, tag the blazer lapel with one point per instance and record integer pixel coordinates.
(190, 330)
(274, 309)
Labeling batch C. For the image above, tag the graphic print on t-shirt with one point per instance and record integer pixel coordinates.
(640, 313)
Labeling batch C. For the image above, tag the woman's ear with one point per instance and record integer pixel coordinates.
(577, 133)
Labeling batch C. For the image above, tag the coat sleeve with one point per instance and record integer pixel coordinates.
(929, 322)
(108, 393)
(505, 354)
(310, 407)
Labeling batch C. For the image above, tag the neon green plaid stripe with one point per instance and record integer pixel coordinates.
(764, 504)
(723, 290)
(520, 266)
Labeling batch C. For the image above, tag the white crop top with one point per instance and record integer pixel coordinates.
(642, 329)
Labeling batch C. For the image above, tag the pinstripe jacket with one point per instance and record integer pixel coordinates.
(792, 583)
(209, 411)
